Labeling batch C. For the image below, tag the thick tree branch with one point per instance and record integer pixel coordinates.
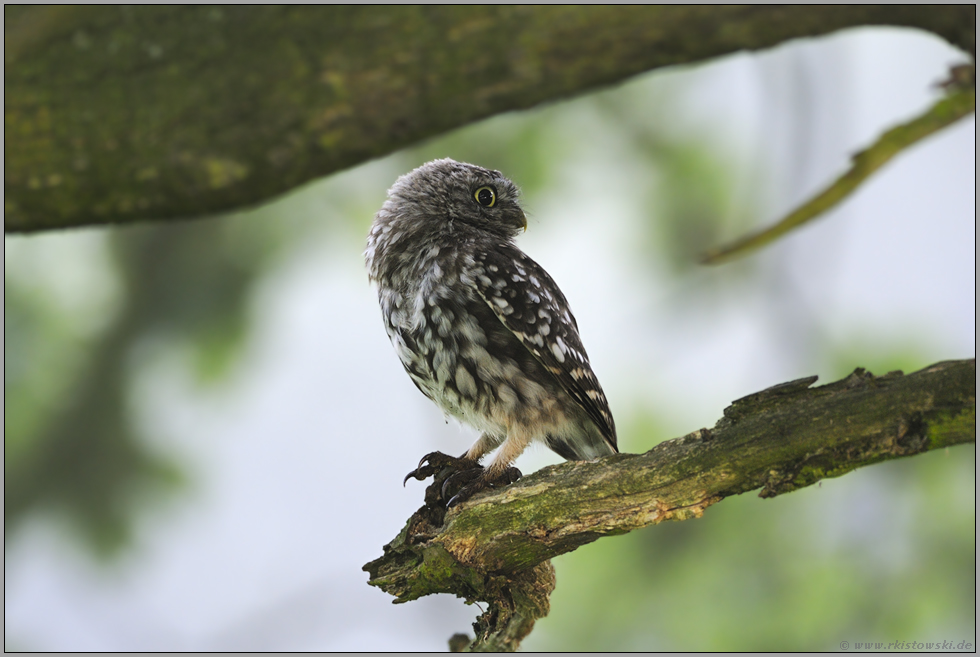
(496, 546)
(116, 114)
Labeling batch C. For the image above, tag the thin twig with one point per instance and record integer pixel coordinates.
(953, 107)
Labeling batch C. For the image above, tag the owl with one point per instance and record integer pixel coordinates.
(481, 328)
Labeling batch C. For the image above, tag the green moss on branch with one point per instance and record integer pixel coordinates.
(494, 546)
(122, 113)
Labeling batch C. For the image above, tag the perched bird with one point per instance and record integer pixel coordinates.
(482, 329)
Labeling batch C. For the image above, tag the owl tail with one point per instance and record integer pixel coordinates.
(585, 447)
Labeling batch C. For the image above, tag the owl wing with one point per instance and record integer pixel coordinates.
(528, 302)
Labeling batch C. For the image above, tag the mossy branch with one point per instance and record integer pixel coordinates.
(124, 113)
(958, 104)
(496, 547)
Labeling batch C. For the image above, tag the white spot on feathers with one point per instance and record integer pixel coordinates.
(557, 352)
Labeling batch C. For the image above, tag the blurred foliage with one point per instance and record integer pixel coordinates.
(71, 447)
(692, 186)
(875, 355)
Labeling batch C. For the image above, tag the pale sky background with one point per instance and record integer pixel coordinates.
(296, 466)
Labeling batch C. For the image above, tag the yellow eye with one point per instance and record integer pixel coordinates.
(485, 196)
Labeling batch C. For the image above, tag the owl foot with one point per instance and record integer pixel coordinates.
(456, 478)
(433, 463)
(458, 481)
(473, 481)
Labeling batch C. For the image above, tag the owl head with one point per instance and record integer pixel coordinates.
(446, 195)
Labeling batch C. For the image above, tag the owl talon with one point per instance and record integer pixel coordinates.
(435, 462)
(480, 480)
(459, 481)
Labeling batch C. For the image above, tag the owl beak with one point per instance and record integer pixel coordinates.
(524, 221)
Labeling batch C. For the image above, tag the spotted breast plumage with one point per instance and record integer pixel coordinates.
(481, 328)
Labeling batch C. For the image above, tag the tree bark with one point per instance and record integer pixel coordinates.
(115, 114)
(496, 546)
